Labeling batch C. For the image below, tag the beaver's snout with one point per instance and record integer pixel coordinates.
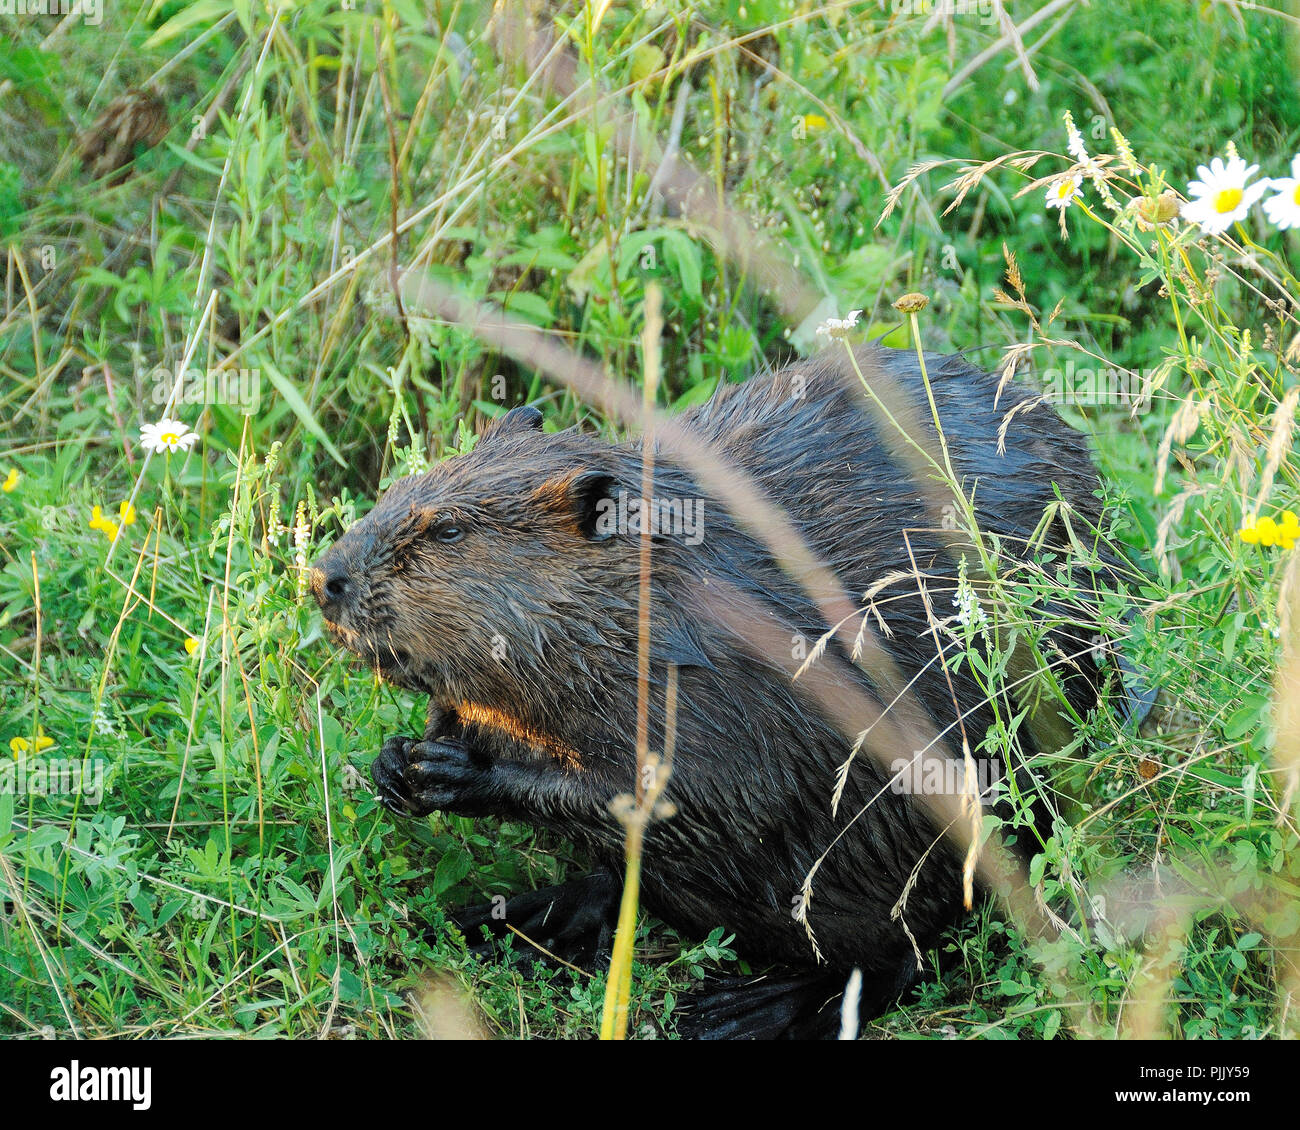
(333, 586)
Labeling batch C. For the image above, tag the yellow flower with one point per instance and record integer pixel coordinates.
(11, 480)
(19, 746)
(126, 512)
(1270, 532)
(1289, 529)
(814, 121)
(191, 645)
(106, 525)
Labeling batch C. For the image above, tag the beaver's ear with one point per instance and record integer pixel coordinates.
(525, 418)
(586, 497)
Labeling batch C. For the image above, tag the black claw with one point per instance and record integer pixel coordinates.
(389, 774)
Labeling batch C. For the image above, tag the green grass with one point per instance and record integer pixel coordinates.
(236, 876)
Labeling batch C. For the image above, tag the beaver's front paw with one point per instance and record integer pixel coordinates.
(415, 778)
(389, 773)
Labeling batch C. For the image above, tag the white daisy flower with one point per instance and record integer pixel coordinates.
(1283, 210)
(1064, 192)
(1222, 196)
(167, 435)
(838, 328)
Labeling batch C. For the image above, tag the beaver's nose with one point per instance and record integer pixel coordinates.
(331, 585)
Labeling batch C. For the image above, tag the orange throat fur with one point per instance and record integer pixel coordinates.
(491, 718)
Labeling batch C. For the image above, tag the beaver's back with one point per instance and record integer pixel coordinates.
(812, 437)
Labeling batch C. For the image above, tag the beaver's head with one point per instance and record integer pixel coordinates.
(494, 578)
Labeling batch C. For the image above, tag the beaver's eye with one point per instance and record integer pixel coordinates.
(448, 531)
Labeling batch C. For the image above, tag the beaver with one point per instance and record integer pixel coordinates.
(504, 584)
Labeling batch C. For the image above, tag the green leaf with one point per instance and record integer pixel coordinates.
(683, 257)
(1036, 866)
(195, 162)
(293, 398)
(1245, 718)
(541, 259)
(452, 868)
(526, 305)
(696, 394)
(142, 903)
(244, 12)
(1053, 1024)
(169, 911)
(202, 11)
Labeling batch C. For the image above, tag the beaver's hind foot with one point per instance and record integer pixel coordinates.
(573, 921)
(785, 1004)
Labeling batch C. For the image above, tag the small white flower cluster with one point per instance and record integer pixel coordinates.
(837, 329)
(1075, 145)
(301, 534)
(969, 612)
(103, 723)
